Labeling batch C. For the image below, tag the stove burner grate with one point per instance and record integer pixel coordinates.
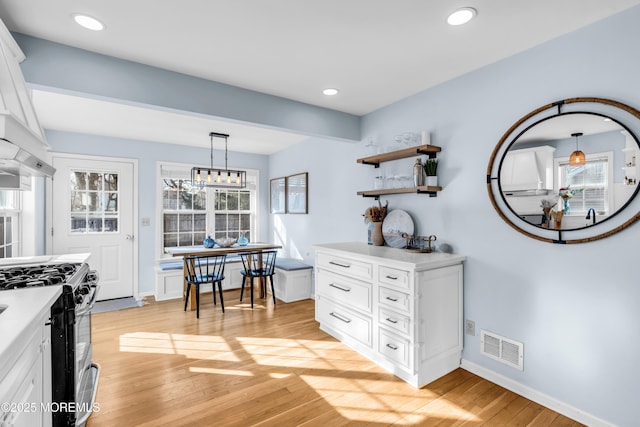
(36, 275)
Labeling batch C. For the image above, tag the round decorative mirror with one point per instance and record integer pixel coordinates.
(568, 171)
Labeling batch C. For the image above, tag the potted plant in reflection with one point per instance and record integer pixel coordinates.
(431, 169)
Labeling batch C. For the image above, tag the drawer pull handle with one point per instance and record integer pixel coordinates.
(390, 320)
(392, 277)
(392, 299)
(339, 264)
(339, 317)
(333, 285)
(392, 347)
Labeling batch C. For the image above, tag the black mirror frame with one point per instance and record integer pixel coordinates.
(505, 211)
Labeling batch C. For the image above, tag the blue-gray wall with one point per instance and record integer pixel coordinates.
(575, 307)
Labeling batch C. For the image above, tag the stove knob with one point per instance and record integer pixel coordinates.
(78, 298)
(84, 290)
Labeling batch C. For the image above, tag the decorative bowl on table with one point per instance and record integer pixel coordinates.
(225, 242)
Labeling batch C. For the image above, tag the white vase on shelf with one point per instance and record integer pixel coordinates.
(432, 180)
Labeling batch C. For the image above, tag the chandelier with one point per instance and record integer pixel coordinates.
(216, 177)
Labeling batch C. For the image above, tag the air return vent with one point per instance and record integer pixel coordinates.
(502, 349)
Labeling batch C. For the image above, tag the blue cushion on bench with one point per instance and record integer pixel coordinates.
(290, 264)
(175, 265)
(171, 265)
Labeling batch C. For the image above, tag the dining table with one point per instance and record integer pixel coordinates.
(200, 250)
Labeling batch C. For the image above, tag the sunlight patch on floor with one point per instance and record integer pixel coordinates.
(221, 371)
(191, 346)
(366, 400)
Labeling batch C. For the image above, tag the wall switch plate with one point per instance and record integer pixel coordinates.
(470, 327)
(146, 222)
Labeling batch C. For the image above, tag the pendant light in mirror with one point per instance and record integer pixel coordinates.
(216, 177)
(577, 158)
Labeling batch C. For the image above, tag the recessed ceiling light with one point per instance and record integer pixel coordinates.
(330, 91)
(461, 16)
(88, 22)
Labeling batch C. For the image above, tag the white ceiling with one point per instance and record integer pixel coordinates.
(375, 51)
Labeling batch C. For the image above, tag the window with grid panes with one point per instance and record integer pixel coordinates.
(232, 213)
(592, 181)
(190, 214)
(10, 209)
(184, 218)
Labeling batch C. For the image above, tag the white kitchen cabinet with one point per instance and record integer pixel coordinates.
(403, 310)
(25, 356)
(24, 389)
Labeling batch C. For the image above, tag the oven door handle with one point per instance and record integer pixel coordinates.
(89, 306)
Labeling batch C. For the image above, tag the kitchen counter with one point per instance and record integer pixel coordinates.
(25, 308)
(43, 259)
(417, 260)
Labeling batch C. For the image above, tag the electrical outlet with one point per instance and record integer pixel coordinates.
(470, 327)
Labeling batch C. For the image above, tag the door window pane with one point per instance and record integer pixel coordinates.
(94, 202)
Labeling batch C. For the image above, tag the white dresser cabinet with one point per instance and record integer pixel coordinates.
(401, 309)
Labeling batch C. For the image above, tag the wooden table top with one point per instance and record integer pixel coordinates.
(181, 251)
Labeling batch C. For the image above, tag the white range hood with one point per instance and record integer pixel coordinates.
(22, 143)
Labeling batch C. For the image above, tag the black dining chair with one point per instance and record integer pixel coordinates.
(203, 269)
(259, 265)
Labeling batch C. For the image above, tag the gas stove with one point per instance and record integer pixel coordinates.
(74, 377)
(17, 277)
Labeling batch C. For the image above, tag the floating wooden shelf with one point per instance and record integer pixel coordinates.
(429, 150)
(431, 191)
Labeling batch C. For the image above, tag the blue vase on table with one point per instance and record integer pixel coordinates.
(242, 240)
(208, 242)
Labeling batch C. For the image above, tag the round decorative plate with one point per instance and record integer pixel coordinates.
(395, 223)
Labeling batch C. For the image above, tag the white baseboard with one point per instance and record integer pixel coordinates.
(535, 395)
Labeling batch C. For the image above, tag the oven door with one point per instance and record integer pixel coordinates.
(86, 372)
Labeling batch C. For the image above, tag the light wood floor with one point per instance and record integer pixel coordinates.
(271, 366)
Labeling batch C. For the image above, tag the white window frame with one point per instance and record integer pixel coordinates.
(14, 211)
(183, 171)
(559, 162)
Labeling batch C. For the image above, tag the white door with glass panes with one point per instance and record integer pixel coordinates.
(93, 212)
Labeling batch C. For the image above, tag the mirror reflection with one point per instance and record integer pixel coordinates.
(570, 171)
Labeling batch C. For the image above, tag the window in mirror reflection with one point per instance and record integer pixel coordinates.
(590, 185)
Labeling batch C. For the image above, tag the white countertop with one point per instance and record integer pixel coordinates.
(25, 308)
(417, 260)
(44, 259)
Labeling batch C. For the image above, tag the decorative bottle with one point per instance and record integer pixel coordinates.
(418, 173)
(242, 240)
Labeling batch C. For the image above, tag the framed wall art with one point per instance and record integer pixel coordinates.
(278, 195)
(297, 193)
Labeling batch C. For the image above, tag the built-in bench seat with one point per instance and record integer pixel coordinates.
(292, 281)
(170, 280)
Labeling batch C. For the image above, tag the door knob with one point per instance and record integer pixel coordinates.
(128, 237)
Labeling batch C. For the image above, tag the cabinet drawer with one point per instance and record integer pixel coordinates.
(395, 299)
(394, 321)
(349, 267)
(394, 348)
(350, 292)
(393, 276)
(343, 320)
